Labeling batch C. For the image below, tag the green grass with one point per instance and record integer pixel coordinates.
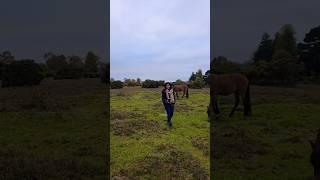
(273, 143)
(133, 150)
(54, 131)
(58, 131)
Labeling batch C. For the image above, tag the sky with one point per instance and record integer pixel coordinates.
(72, 27)
(159, 40)
(239, 25)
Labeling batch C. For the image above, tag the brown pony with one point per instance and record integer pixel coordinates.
(179, 88)
(227, 84)
(315, 156)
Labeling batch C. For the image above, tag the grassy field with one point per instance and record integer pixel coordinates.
(58, 131)
(273, 143)
(143, 147)
(54, 131)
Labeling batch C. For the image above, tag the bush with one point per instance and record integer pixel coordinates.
(222, 65)
(104, 75)
(160, 83)
(1, 69)
(179, 82)
(151, 84)
(21, 73)
(91, 75)
(116, 84)
(130, 82)
(198, 83)
(69, 73)
(283, 69)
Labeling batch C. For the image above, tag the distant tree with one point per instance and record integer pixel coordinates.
(55, 63)
(192, 77)
(199, 74)
(206, 77)
(127, 82)
(130, 82)
(160, 83)
(285, 40)
(116, 84)
(5, 58)
(309, 51)
(45, 71)
(69, 73)
(198, 83)
(138, 82)
(150, 84)
(285, 68)
(265, 49)
(76, 62)
(179, 82)
(91, 62)
(22, 73)
(221, 65)
(104, 75)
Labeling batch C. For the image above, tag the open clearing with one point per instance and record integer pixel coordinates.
(143, 147)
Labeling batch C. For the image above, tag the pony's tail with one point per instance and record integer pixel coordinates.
(187, 93)
(247, 102)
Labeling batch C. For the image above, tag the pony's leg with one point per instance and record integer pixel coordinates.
(236, 103)
(215, 105)
(245, 106)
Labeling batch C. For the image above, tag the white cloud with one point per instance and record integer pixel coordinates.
(153, 34)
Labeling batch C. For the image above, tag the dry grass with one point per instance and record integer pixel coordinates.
(166, 162)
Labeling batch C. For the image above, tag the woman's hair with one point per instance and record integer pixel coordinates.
(165, 85)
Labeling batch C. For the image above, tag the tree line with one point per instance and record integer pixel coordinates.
(26, 72)
(280, 60)
(197, 80)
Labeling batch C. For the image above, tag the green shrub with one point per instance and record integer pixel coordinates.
(283, 69)
(116, 84)
(151, 84)
(69, 73)
(198, 83)
(21, 73)
(104, 75)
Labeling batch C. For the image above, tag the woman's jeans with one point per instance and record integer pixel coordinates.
(169, 109)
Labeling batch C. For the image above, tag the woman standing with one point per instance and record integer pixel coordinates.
(168, 101)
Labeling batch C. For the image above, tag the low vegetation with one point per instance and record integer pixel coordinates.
(143, 147)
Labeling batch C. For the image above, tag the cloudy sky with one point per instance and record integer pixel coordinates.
(72, 27)
(161, 40)
(239, 25)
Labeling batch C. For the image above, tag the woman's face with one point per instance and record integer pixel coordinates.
(168, 86)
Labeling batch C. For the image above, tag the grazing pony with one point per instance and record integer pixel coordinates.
(315, 156)
(225, 85)
(178, 88)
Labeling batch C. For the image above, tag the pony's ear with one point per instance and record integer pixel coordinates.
(312, 144)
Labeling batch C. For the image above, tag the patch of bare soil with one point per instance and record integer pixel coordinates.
(129, 127)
